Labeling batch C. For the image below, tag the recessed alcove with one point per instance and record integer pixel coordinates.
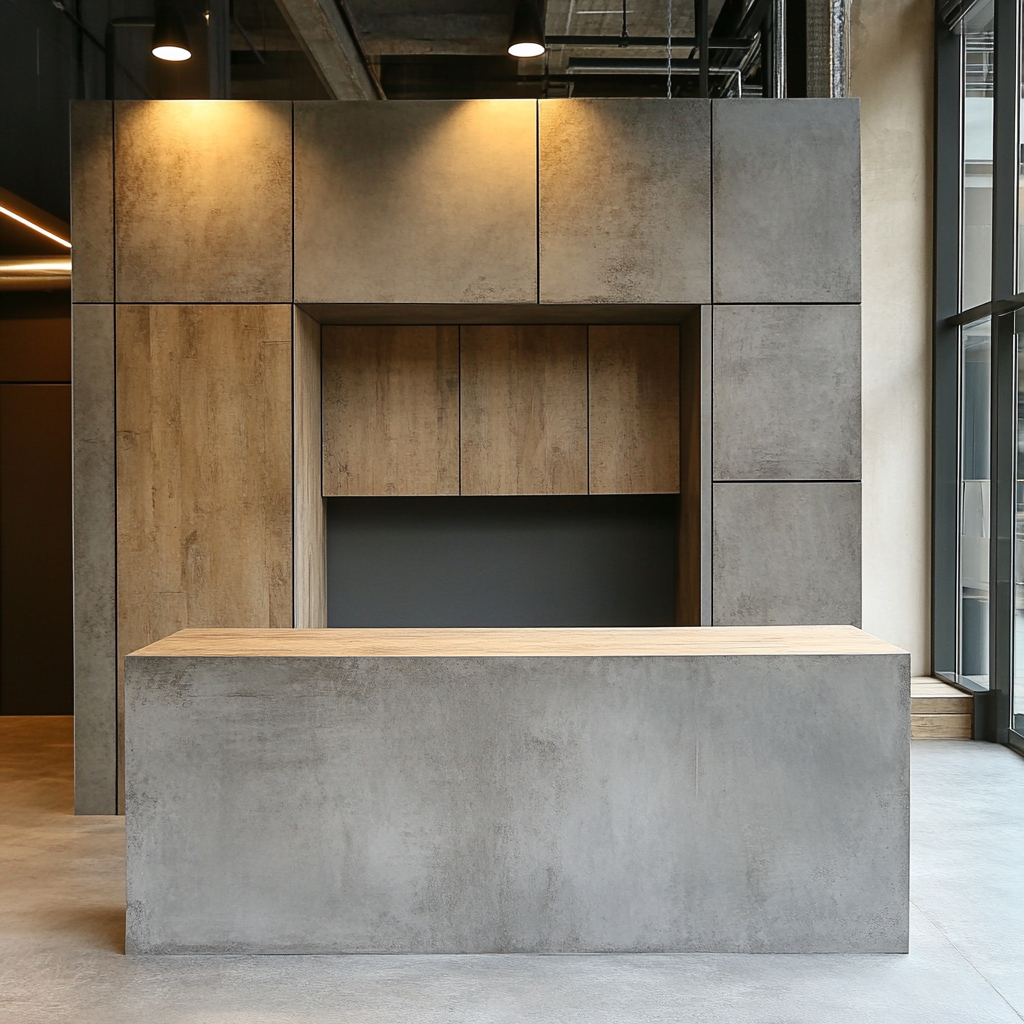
(550, 560)
(502, 466)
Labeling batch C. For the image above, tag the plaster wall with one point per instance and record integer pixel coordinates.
(892, 51)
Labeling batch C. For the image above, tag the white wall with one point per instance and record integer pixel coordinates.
(892, 46)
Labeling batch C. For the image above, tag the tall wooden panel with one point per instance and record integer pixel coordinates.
(634, 410)
(391, 410)
(524, 410)
(204, 477)
(309, 566)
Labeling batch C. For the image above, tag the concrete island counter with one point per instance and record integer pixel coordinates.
(523, 790)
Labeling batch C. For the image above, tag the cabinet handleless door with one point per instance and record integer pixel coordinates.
(390, 410)
(634, 410)
(204, 489)
(524, 410)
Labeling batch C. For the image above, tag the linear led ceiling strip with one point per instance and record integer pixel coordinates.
(34, 227)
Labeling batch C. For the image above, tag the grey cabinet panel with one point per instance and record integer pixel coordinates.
(787, 392)
(432, 201)
(92, 200)
(625, 203)
(787, 554)
(93, 515)
(203, 200)
(786, 200)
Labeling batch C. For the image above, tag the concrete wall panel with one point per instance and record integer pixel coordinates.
(95, 604)
(786, 553)
(92, 200)
(432, 201)
(203, 201)
(625, 202)
(787, 393)
(786, 200)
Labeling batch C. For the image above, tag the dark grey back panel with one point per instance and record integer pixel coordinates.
(504, 561)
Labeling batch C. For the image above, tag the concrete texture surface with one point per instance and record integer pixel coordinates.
(203, 200)
(892, 49)
(625, 200)
(92, 201)
(536, 804)
(420, 201)
(93, 522)
(786, 392)
(786, 553)
(786, 186)
(62, 927)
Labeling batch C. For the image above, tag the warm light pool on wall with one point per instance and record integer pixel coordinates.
(527, 39)
(170, 40)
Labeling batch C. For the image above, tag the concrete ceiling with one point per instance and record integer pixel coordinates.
(458, 47)
(481, 27)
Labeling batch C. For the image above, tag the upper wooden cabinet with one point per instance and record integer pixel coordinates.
(390, 410)
(625, 200)
(202, 197)
(524, 410)
(429, 202)
(634, 410)
(501, 409)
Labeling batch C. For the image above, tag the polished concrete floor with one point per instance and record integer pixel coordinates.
(62, 924)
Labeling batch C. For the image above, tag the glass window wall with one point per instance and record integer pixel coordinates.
(979, 362)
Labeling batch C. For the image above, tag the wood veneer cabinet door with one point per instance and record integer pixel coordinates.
(390, 410)
(634, 409)
(204, 476)
(524, 410)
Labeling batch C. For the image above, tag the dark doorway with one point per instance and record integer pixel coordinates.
(36, 645)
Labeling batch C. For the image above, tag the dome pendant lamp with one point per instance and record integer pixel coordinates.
(527, 39)
(170, 40)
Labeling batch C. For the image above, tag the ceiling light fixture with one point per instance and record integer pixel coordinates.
(170, 40)
(527, 39)
(34, 227)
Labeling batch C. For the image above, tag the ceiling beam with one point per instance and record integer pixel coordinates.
(324, 33)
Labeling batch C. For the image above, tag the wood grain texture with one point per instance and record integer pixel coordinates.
(940, 727)
(203, 197)
(93, 476)
(962, 705)
(390, 410)
(524, 410)
(663, 641)
(309, 544)
(92, 200)
(688, 579)
(927, 686)
(634, 409)
(204, 479)
(420, 201)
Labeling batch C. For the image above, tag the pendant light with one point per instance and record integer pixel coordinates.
(170, 40)
(527, 39)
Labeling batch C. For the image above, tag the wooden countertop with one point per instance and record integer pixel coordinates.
(668, 641)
